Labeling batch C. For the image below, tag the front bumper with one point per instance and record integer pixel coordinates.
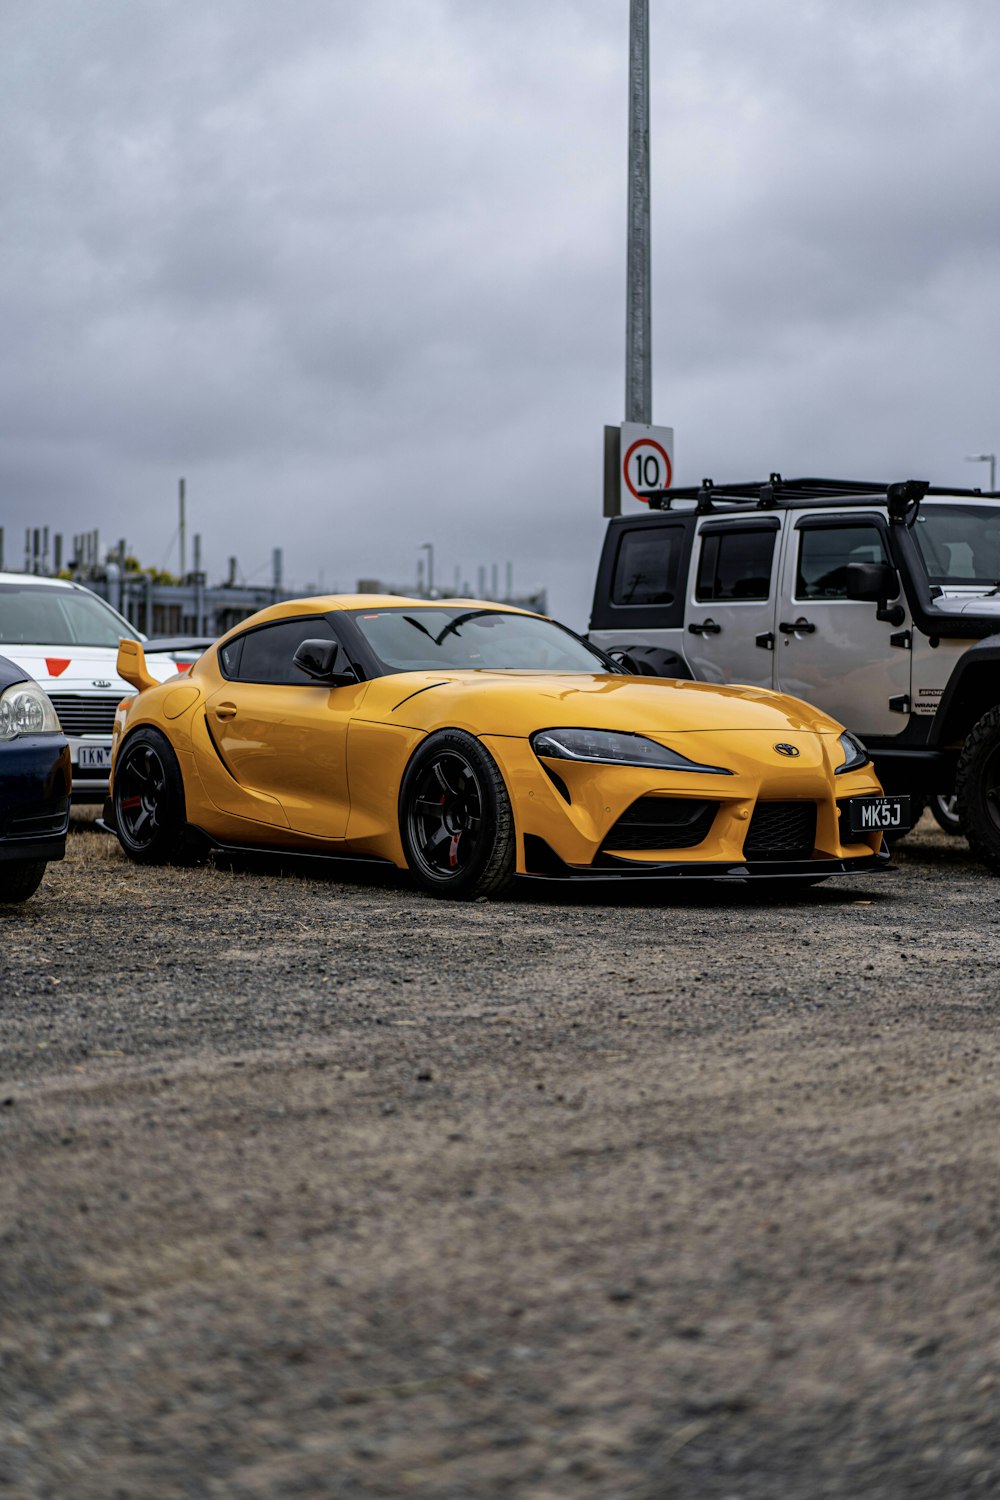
(584, 814)
(35, 780)
(542, 863)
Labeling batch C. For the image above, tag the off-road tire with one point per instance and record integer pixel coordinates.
(20, 878)
(148, 799)
(977, 789)
(455, 819)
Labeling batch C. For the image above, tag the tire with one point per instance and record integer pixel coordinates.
(455, 819)
(917, 806)
(944, 811)
(20, 878)
(148, 799)
(977, 789)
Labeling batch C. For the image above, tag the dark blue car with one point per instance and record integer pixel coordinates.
(34, 784)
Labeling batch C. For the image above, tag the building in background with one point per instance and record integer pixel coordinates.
(160, 604)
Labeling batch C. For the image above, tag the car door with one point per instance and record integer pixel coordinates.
(731, 601)
(282, 734)
(834, 651)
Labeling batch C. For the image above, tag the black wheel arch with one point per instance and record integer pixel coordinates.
(972, 691)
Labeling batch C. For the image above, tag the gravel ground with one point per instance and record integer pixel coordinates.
(313, 1186)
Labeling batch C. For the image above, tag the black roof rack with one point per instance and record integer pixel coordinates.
(902, 497)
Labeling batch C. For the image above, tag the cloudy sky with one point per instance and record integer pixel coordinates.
(355, 268)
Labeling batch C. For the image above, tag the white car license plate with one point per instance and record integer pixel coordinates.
(94, 757)
(878, 814)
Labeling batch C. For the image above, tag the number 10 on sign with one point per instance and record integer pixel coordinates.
(647, 459)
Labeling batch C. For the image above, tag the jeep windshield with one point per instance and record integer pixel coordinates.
(436, 637)
(959, 542)
(36, 614)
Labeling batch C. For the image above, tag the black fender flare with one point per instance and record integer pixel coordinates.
(654, 661)
(973, 687)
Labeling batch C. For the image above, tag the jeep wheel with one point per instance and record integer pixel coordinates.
(977, 788)
(917, 805)
(944, 811)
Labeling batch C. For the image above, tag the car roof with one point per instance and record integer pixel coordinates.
(43, 581)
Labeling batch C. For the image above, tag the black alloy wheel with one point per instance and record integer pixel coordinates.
(977, 789)
(455, 818)
(148, 799)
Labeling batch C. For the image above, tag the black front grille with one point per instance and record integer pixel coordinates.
(661, 823)
(86, 713)
(781, 830)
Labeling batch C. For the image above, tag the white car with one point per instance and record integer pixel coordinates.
(66, 637)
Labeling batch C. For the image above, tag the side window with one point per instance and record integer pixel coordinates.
(735, 565)
(266, 653)
(646, 566)
(825, 551)
(229, 656)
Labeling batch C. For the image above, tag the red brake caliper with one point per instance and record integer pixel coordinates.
(453, 850)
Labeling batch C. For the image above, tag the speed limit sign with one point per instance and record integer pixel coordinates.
(647, 459)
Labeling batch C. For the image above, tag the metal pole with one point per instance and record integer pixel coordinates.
(428, 547)
(985, 458)
(180, 499)
(638, 333)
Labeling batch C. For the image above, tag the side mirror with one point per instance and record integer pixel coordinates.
(876, 583)
(318, 658)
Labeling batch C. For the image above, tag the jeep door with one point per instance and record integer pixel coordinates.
(731, 600)
(831, 650)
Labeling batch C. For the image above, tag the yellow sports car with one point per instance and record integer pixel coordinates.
(469, 743)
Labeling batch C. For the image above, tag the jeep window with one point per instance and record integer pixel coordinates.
(959, 543)
(824, 554)
(646, 566)
(735, 565)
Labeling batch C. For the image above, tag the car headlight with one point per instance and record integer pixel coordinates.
(612, 748)
(25, 709)
(855, 754)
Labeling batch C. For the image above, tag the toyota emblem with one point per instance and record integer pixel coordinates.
(790, 750)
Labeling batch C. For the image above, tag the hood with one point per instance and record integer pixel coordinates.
(518, 703)
(976, 601)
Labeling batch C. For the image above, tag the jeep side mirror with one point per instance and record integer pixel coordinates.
(318, 658)
(876, 583)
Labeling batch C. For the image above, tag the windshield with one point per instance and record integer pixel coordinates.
(448, 636)
(959, 543)
(33, 614)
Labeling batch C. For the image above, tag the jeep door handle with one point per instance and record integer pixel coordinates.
(797, 627)
(707, 627)
(225, 710)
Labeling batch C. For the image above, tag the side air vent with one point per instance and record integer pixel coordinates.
(661, 823)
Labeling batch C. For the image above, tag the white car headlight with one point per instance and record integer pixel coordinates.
(25, 709)
(855, 754)
(613, 748)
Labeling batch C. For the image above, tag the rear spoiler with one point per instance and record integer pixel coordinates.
(132, 665)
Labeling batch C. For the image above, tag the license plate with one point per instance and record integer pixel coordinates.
(94, 757)
(878, 814)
